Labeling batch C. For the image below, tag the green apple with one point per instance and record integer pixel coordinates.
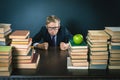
(77, 38)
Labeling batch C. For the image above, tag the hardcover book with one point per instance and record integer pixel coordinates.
(29, 65)
(70, 66)
(4, 27)
(5, 50)
(113, 30)
(97, 34)
(20, 34)
(75, 46)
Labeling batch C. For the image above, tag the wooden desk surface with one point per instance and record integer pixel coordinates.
(53, 64)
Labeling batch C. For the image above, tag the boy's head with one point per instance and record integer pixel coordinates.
(52, 24)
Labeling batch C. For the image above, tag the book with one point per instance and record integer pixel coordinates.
(95, 40)
(103, 57)
(115, 51)
(70, 66)
(97, 44)
(77, 46)
(97, 53)
(5, 50)
(21, 42)
(98, 62)
(6, 60)
(113, 30)
(5, 73)
(113, 67)
(2, 35)
(98, 49)
(116, 40)
(114, 58)
(82, 50)
(2, 56)
(80, 64)
(97, 34)
(29, 65)
(115, 43)
(5, 64)
(79, 57)
(115, 55)
(19, 34)
(97, 66)
(77, 54)
(78, 60)
(6, 68)
(5, 43)
(114, 62)
(22, 45)
(17, 40)
(21, 51)
(28, 56)
(114, 47)
(4, 27)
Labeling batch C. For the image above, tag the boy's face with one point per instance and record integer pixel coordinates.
(53, 28)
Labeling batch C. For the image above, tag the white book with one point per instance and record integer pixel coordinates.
(69, 65)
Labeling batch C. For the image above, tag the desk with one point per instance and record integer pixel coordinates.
(53, 64)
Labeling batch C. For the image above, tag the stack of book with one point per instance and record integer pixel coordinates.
(5, 30)
(114, 47)
(5, 60)
(98, 46)
(78, 57)
(23, 54)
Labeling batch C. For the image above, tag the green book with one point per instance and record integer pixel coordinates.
(74, 46)
(5, 49)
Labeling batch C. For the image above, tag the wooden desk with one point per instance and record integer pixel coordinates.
(53, 64)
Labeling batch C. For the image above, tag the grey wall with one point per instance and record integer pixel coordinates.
(77, 15)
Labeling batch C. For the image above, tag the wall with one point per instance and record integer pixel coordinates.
(77, 15)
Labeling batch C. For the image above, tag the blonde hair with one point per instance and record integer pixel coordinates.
(52, 18)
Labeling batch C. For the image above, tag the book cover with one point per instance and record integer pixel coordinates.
(74, 46)
(5, 50)
(97, 66)
(22, 34)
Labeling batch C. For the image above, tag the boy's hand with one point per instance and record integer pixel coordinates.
(64, 46)
(43, 45)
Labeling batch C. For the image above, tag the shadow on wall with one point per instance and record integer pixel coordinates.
(73, 26)
(76, 27)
